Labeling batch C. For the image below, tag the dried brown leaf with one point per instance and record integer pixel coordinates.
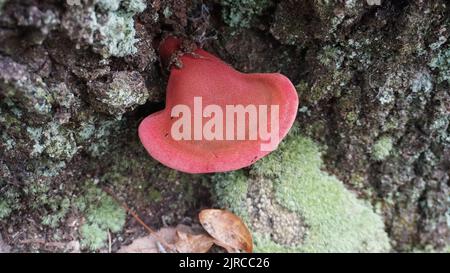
(228, 230)
(151, 244)
(180, 238)
(191, 243)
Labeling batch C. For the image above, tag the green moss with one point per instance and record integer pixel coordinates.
(382, 148)
(52, 204)
(39, 191)
(358, 182)
(154, 195)
(59, 211)
(96, 134)
(93, 236)
(336, 220)
(264, 244)
(9, 196)
(101, 209)
(5, 209)
(231, 189)
(240, 13)
(107, 215)
(351, 117)
(102, 214)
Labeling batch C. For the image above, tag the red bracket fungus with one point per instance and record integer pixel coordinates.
(203, 75)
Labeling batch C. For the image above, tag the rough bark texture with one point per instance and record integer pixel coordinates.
(373, 77)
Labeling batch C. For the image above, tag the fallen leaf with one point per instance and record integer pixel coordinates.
(191, 243)
(228, 230)
(181, 238)
(150, 243)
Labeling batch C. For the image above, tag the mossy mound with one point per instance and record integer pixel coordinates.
(332, 219)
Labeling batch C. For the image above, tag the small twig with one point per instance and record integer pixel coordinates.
(109, 242)
(135, 216)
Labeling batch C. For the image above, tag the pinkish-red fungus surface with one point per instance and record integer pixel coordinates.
(205, 76)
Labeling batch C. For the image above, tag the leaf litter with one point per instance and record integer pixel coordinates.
(221, 228)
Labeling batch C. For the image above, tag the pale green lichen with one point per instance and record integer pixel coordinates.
(87, 129)
(167, 12)
(336, 220)
(64, 97)
(441, 124)
(421, 87)
(240, 13)
(363, 57)
(29, 91)
(54, 140)
(382, 148)
(106, 5)
(59, 142)
(331, 57)
(441, 63)
(49, 168)
(114, 23)
(422, 82)
(386, 95)
(394, 82)
(134, 6)
(35, 135)
(117, 32)
(122, 93)
(118, 35)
